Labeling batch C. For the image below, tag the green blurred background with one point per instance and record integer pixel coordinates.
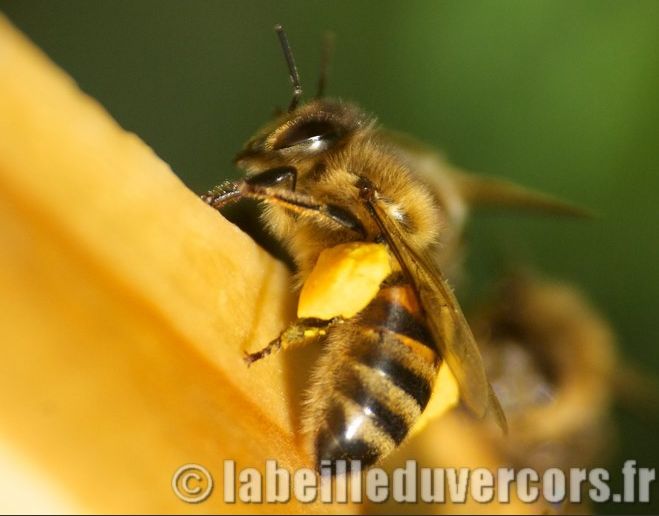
(559, 96)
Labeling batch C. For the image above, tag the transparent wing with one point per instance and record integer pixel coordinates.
(444, 317)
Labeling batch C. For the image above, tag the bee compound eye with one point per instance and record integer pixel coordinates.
(314, 135)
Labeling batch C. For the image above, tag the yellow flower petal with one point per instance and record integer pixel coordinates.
(126, 305)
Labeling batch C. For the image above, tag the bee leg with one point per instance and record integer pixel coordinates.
(270, 186)
(300, 333)
(231, 191)
(223, 194)
(305, 205)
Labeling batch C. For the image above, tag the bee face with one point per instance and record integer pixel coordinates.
(302, 136)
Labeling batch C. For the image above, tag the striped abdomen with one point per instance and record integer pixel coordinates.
(374, 380)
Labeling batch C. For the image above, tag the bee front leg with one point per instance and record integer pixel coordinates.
(277, 186)
(300, 333)
(232, 191)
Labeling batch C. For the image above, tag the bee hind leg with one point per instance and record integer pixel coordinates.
(300, 333)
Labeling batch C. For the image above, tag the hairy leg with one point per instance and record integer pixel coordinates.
(299, 333)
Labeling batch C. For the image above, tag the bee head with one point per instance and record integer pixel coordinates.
(306, 130)
(312, 129)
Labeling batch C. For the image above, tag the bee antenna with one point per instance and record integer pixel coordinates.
(325, 58)
(292, 69)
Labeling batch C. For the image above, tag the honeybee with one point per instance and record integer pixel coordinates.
(369, 219)
(552, 359)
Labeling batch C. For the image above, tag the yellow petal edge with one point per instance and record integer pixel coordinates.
(126, 305)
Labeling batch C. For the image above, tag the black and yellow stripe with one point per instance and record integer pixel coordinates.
(383, 384)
